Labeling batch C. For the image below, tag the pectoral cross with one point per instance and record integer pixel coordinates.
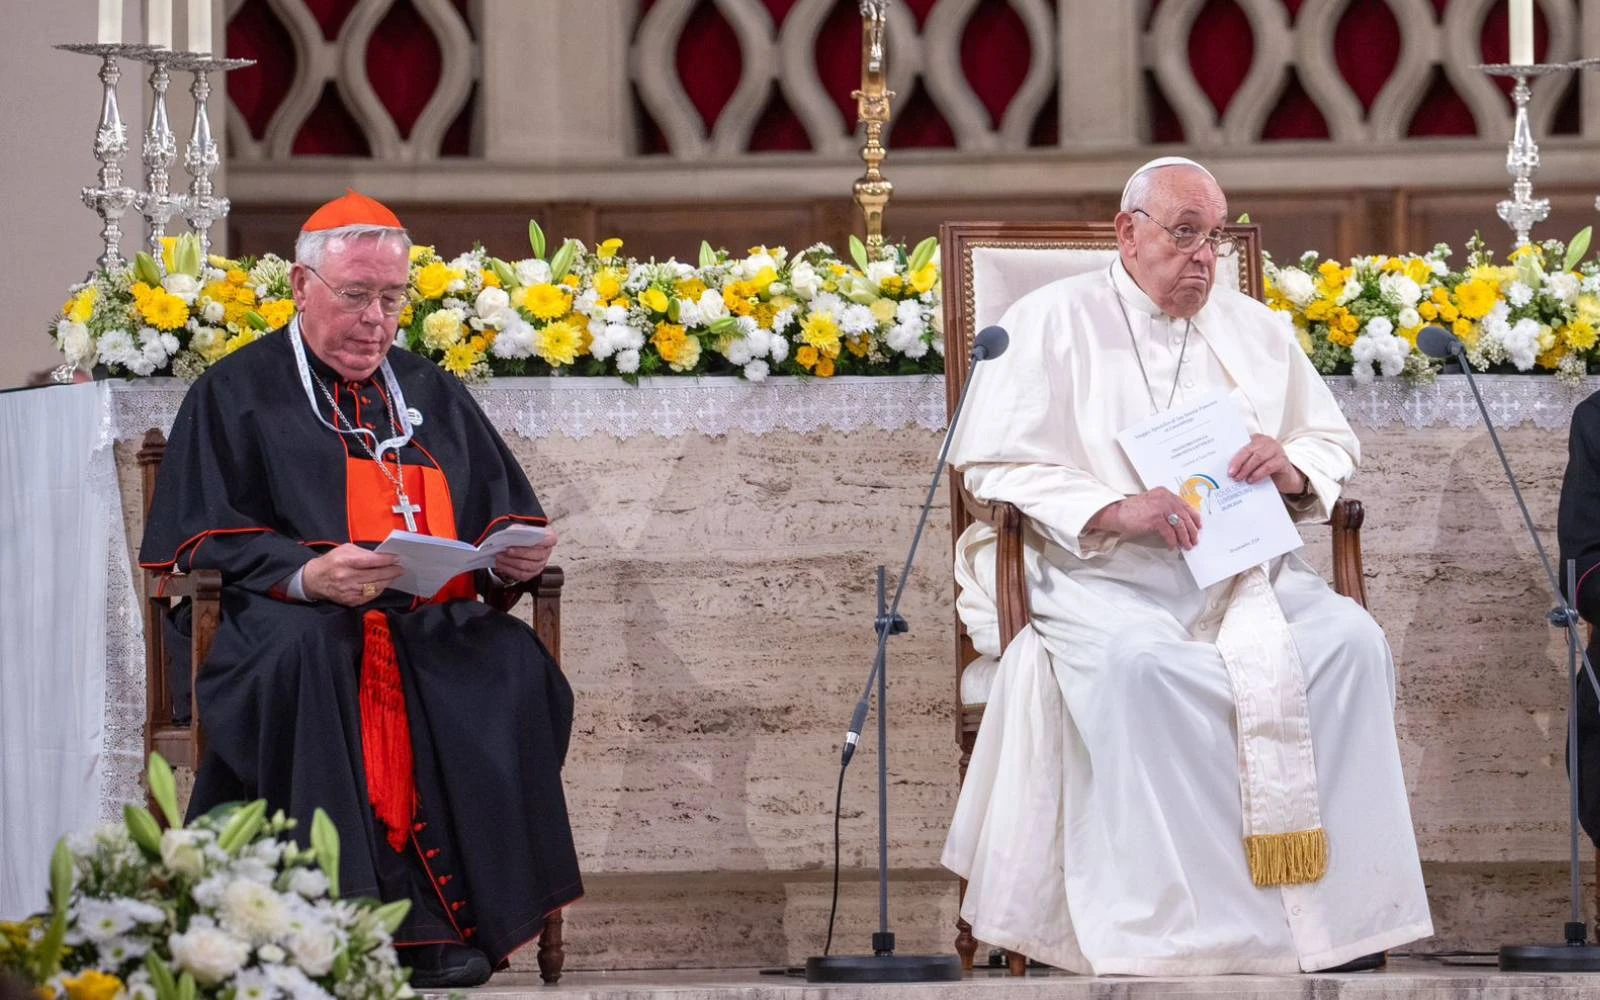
(405, 508)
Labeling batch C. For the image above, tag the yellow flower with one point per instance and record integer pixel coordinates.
(460, 359)
(1476, 297)
(763, 278)
(608, 249)
(277, 313)
(571, 281)
(238, 276)
(407, 315)
(824, 368)
(1449, 313)
(1427, 310)
(764, 313)
(547, 301)
(81, 306)
(691, 289)
(1579, 334)
(489, 278)
(1419, 270)
(607, 283)
(1440, 296)
(924, 278)
(418, 251)
(669, 340)
(169, 251)
(1305, 341)
(93, 985)
(442, 330)
(821, 331)
(1319, 309)
(892, 284)
(559, 343)
(1589, 309)
(1349, 323)
(654, 299)
(163, 310)
(739, 305)
(1550, 358)
(806, 356)
(433, 280)
(241, 339)
(1466, 330)
(859, 346)
(883, 310)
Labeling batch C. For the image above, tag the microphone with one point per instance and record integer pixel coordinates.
(991, 342)
(1437, 342)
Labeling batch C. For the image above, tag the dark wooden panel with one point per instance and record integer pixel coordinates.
(1452, 217)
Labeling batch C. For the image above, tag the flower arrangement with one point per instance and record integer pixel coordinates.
(178, 318)
(574, 311)
(1540, 310)
(225, 907)
(595, 312)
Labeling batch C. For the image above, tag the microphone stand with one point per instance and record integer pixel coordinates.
(1575, 954)
(883, 965)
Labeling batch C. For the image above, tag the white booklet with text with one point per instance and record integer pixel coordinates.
(431, 562)
(1187, 449)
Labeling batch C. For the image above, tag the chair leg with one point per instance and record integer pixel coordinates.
(1016, 963)
(552, 953)
(966, 944)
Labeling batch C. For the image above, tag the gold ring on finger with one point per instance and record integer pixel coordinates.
(369, 590)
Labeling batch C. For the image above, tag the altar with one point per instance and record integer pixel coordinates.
(719, 540)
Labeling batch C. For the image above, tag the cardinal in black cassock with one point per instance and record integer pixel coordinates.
(432, 731)
(1578, 528)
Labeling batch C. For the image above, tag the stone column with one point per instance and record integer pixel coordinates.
(555, 80)
(1102, 74)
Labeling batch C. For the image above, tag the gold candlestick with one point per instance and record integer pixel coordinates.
(873, 109)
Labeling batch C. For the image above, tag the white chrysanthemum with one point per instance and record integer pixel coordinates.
(778, 348)
(119, 951)
(313, 949)
(784, 319)
(254, 870)
(308, 883)
(183, 286)
(877, 270)
(908, 313)
(517, 339)
(294, 983)
(1350, 292)
(254, 984)
(857, 319)
(757, 371)
(210, 954)
(1399, 290)
(532, 272)
(1590, 284)
(739, 352)
(587, 302)
(213, 311)
(1380, 326)
(1522, 343)
(74, 341)
(827, 302)
(253, 911)
(140, 987)
(1382, 349)
(116, 347)
(1519, 294)
(689, 314)
(907, 339)
(270, 954)
(102, 919)
(628, 361)
(1409, 318)
(1296, 285)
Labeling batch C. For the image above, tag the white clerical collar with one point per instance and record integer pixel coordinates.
(1131, 293)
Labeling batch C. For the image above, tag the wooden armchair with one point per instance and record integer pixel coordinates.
(988, 266)
(182, 741)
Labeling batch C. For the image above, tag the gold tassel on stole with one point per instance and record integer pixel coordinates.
(1287, 858)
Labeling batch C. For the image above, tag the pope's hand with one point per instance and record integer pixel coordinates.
(1262, 458)
(524, 562)
(1151, 513)
(349, 575)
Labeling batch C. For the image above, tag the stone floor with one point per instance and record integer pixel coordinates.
(1404, 979)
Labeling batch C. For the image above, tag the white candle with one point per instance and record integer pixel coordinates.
(109, 30)
(199, 16)
(158, 23)
(1522, 32)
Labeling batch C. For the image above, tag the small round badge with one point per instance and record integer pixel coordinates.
(414, 415)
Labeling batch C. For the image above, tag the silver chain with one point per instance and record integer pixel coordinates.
(1188, 325)
(338, 414)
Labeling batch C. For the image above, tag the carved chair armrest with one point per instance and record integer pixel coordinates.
(1347, 571)
(1011, 588)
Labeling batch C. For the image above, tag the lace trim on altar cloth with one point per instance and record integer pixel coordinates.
(122, 748)
(577, 408)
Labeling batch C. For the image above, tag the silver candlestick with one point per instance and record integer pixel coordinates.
(1522, 210)
(109, 197)
(156, 202)
(202, 207)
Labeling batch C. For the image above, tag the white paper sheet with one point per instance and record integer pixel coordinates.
(430, 562)
(1187, 449)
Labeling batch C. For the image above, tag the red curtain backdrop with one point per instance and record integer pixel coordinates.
(404, 63)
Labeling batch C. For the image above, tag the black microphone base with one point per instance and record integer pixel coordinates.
(883, 969)
(1550, 958)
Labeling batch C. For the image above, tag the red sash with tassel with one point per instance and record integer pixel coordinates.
(386, 732)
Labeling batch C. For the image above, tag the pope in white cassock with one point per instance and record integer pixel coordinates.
(1169, 780)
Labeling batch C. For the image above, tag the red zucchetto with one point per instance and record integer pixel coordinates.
(352, 209)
